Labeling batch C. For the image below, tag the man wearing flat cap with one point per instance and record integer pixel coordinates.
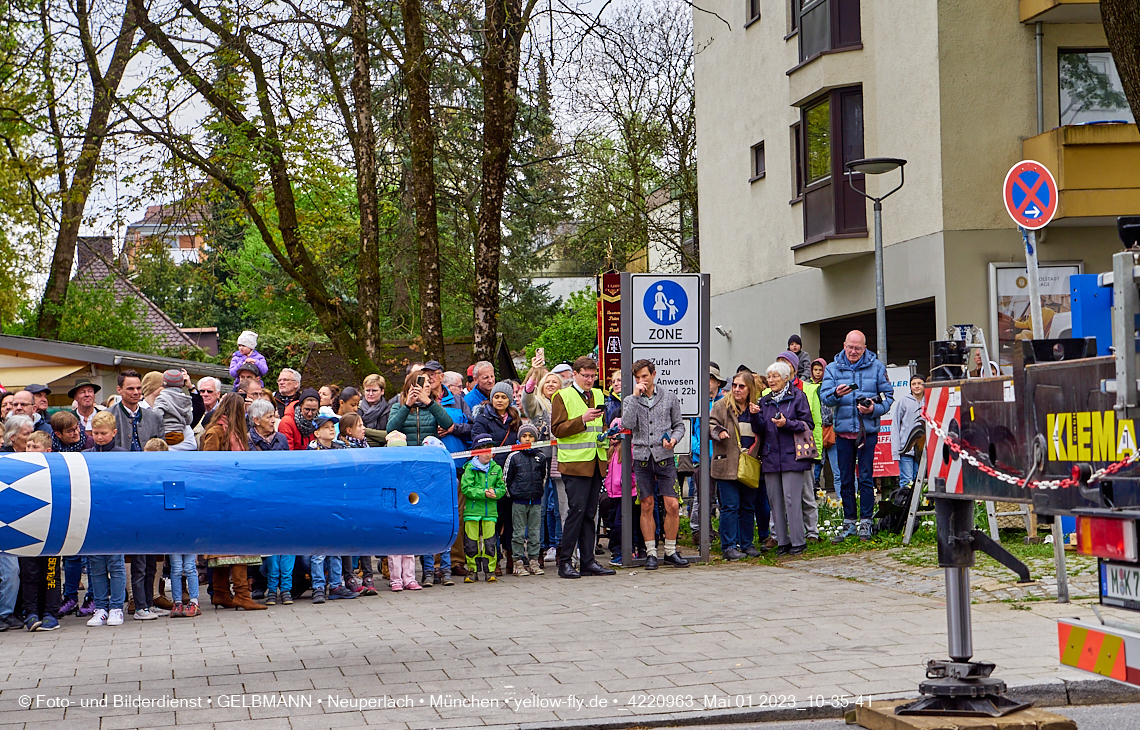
(39, 399)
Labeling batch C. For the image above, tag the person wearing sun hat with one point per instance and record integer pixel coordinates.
(83, 394)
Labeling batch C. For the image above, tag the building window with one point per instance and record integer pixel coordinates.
(758, 166)
(829, 135)
(817, 141)
(794, 15)
(826, 25)
(753, 10)
(1089, 88)
(797, 168)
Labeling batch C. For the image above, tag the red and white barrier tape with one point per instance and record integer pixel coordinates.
(516, 447)
(965, 450)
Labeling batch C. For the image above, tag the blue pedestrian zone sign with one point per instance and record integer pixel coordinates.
(665, 302)
(667, 309)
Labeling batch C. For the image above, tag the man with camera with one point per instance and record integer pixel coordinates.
(654, 420)
(856, 388)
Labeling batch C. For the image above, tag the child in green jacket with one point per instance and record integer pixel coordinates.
(482, 486)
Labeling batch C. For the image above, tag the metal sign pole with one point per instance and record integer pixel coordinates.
(627, 525)
(704, 450)
(1030, 238)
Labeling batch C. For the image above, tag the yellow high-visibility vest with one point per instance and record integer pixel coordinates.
(581, 446)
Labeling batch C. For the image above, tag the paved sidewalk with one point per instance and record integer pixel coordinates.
(905, 570)
(761, 633)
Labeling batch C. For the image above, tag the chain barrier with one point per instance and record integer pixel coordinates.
(964, 451)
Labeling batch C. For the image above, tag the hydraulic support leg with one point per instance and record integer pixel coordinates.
(959, 686)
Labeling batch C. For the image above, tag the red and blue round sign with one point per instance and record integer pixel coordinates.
(1030, 195)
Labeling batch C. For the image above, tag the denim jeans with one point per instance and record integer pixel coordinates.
(831, 454)
(108, 576)
(737, 514)
(9, 584)
(552, 519)
(336, 571)
(907, 466)
(849, 456)
(317, 571)
(183, 565)
(444, 562)
(280, 572)
(72, 571)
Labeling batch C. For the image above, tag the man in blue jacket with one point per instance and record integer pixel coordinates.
(856, 388)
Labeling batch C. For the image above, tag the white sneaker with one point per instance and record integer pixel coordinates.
(115, 618)
(100, 618)
(158, 611)
(551, 555)
(144, 614)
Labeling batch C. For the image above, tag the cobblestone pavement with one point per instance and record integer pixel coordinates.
(989, 581)
(521, 650)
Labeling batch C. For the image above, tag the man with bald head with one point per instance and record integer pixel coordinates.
(856, 388)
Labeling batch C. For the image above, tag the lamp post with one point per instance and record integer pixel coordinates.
(877, 166)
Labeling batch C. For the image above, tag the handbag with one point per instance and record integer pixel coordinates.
(748, 466)
(805, 446)
(828, 436)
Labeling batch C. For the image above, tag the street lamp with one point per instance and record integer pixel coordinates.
(877, 166)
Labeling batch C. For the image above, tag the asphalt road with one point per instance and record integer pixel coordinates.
(1094, 717)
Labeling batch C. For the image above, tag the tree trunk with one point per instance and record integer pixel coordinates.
(504, 23)
(338, 322)
(1121, 20)
(417, 78)
(74, 195)
(364, 150)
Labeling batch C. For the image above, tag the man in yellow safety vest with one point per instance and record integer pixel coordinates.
(576, 421)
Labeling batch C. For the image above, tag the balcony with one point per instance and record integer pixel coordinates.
(834, 250)
(1060, 11)
(1097, 168)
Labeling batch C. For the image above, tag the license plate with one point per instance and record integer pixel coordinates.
(1120, 585)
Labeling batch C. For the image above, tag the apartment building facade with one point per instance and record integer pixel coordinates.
(788, 91)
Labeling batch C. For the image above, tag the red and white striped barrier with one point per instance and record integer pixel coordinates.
(516, 447)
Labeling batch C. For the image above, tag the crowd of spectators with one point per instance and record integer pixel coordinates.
(520, 509)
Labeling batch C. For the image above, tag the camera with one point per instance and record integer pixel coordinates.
(868, 402)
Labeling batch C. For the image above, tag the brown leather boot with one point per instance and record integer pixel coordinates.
(221, 596)
(242, 598)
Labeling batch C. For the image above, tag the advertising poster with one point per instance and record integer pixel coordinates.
(885, 466)
(1012, 306)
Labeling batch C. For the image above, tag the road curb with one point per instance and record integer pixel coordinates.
(1053, 693)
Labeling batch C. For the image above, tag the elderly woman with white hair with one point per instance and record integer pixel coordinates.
(17, 428)
(784, 412)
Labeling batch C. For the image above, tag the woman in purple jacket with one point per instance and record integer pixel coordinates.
(784, 412)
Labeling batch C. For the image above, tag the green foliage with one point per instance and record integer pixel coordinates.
(572, 333)
(91, 316)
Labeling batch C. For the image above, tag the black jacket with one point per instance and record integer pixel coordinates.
(526, 474)
(489, 423)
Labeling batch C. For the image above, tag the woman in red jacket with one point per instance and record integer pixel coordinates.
(297, 423)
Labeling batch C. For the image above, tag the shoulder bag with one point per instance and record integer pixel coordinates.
(748, 466)
(805, 446)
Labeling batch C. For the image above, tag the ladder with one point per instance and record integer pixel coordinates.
(1022, 511)
(916, 491)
